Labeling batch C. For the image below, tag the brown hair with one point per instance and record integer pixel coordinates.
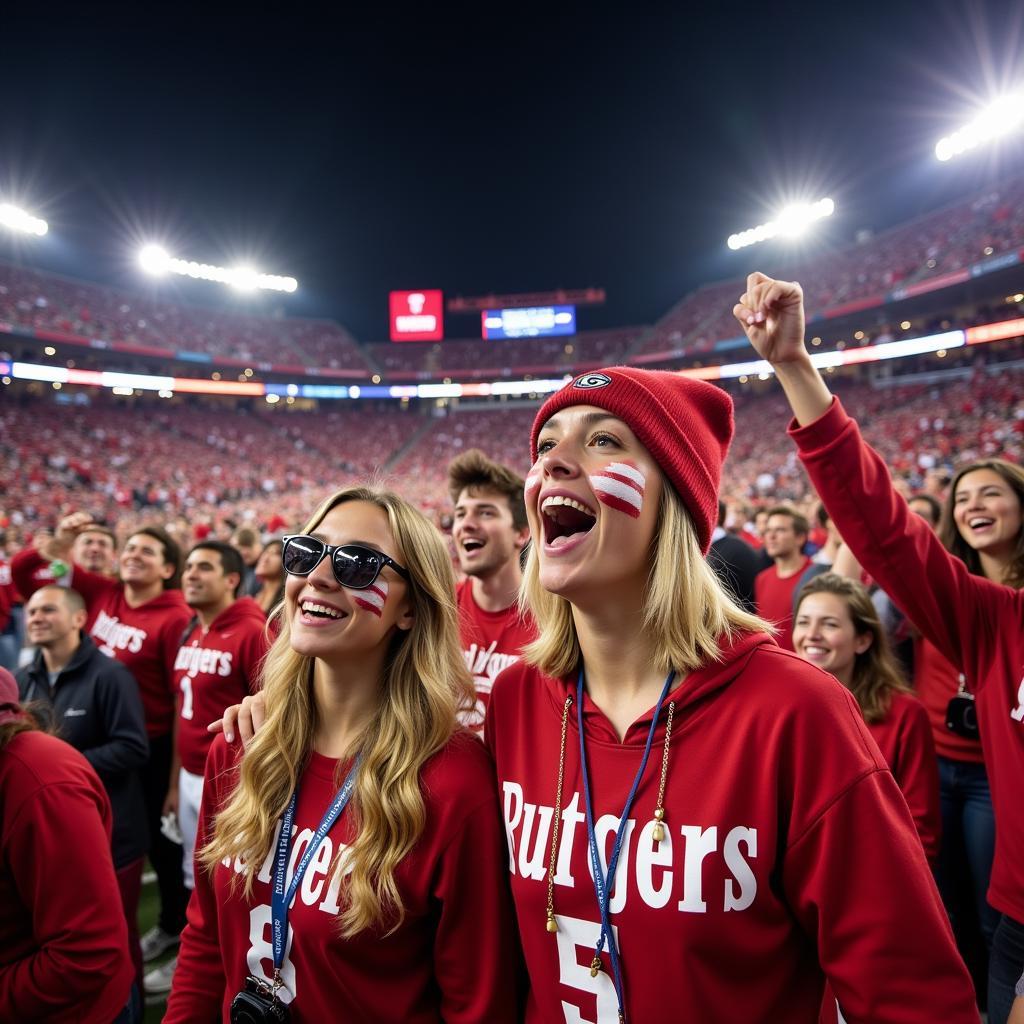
(172, 553)
(954, 541)
(473, 470)
(8, 730)
(876, 676)
(799, 520)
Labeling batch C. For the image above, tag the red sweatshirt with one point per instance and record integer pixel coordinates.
(788, 846)
(144, 639)
(214, 669)
(975, 623)
(491, 641)
(773, 597)
(937, 682)
(904, 737)
(452, 959)
(63, 939)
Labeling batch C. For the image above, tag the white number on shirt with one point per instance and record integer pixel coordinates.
(261, 952)
(572, 934)
(186, 697)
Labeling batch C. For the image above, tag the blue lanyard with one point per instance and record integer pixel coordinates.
(282, 896)
(604, 880)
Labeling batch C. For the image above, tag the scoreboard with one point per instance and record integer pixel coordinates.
(534, 322)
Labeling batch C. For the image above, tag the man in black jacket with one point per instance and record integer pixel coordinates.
(94, 704)
(735, 562)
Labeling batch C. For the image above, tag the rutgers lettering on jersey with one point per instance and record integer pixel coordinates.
(671, 870)
(203, 660)
(485, 663)
(314, 891)
(112, 635)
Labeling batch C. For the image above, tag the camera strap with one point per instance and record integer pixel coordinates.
(282, 895)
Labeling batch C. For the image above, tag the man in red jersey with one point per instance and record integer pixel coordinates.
(217, 664)
(489, 531)
(137, 619)
(785, 534)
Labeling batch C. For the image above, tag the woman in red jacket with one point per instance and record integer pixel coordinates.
(63, 939)
(350, 863)
(973, 620)
(837, 628)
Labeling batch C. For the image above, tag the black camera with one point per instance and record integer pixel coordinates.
(257, 1004)
(961, 716)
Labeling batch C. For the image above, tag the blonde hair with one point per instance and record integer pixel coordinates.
(687, 613)
(426, 685)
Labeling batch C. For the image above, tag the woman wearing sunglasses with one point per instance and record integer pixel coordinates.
(351, 863)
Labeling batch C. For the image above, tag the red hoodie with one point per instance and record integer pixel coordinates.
(904, 737)
(491, 641)
(788, 846)
(452, 959)
(63, 938)
(973, 622)
(144, 639)
(213, 669)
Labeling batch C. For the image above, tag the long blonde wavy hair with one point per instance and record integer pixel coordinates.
(687, 612)
(426, 685)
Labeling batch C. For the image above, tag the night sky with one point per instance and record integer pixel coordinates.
(484, 148)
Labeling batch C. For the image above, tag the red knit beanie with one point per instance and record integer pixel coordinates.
(685, 424)
(9, 707)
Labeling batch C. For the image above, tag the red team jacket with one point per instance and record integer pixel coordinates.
(214, 669)
(786, 833)
(144, 639)
(975, 623)
(63, 939)
(491, 641)
(452, 959)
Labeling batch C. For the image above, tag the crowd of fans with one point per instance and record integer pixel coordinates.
(150, 458)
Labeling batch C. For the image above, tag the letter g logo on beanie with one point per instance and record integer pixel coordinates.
(686, 425)
(592, 380)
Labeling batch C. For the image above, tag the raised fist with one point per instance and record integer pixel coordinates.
(772, 315)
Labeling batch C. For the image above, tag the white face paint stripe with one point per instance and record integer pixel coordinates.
(373, 598)
(533, 479)
(628, 471)
(617, 489)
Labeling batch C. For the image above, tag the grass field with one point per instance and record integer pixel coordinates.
(148, 907)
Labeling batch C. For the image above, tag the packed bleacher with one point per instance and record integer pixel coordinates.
(57, 306)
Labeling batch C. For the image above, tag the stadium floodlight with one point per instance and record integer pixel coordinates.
(156, 260)
(790, 223)
(1000, 118)
(16, 219)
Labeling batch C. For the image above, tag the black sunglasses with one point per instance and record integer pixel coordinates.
(355, 566)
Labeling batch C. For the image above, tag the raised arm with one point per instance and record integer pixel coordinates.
(953, 609)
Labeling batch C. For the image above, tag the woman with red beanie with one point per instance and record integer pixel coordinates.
(63, 939)
(974, 621)
(697, 820)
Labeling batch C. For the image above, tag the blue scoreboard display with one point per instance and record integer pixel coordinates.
(537, 322)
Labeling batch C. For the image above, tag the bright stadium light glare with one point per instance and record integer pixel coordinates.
(1000, 118)
(791, 222)
(156, 260)
(17, 219)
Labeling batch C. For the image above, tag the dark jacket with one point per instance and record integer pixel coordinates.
(95, 706)
(736, 564)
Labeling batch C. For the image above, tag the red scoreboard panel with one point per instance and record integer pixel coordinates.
(417, 316)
